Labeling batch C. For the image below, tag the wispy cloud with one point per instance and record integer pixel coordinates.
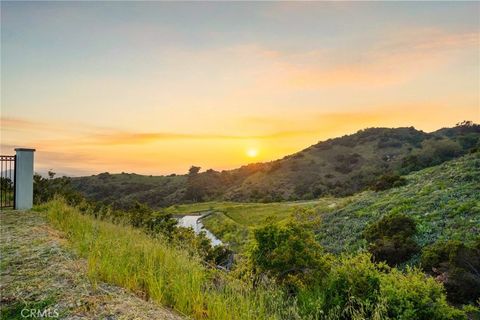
(392, 59)
(103, 136)
(124, 138)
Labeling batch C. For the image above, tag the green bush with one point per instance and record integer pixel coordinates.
(391, 238)
(413, 295)
(388, 181)
(287, 253)
(352, 289)
(457, 266)
(357, 288)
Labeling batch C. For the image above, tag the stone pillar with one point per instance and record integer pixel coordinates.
(24, 179)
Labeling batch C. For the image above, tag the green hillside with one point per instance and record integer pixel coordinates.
(444, 200)
(124, 189)
(336, 167)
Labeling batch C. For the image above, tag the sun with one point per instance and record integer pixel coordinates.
(252, 153)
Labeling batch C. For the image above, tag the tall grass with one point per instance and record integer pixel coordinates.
(129, 258)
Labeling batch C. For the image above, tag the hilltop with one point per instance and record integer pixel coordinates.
(335, 167)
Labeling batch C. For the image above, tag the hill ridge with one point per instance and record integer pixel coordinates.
(339, 166)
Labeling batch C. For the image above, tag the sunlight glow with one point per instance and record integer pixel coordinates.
(252, 153)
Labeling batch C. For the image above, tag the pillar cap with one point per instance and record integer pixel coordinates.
(24, 149)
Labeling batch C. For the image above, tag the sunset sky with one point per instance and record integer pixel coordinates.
(152, 88)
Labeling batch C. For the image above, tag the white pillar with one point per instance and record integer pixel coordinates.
(24, 179)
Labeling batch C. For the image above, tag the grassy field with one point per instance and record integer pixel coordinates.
(249, 214)
(39, 272)
(233, 221)
(444, 200)
(161, 273)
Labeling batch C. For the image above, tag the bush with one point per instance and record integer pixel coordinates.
(287, 253)
(413, 295)
(357, 288)
(457, 266)
(352, 288)
(388, 181)
(391, 238)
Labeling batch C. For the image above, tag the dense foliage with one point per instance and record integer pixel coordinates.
(457, 266)
(443, 200)
(388, 181)
(391, 238)
(45, 189)
(289, 254)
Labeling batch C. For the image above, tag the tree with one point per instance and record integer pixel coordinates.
(140, 214)
(193, 170)
(6, 184)
(45, 189)
(391, 238)
(51, 174)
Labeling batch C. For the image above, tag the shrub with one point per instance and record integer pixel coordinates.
(357, 288)
(391, 238)
(413, 295)
(352, 288)
(287, 253)
(388, 181)
(457, 266)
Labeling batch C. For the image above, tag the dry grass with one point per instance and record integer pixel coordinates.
(39, 271)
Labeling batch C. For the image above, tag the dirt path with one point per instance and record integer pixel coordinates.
(39, 273)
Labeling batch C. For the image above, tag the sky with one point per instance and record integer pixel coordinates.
(155, 87)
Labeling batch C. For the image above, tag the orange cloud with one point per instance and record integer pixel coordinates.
(396, 58)
(119, 138)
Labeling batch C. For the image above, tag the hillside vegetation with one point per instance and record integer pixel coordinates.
(444, 201)
(336, 167)
(407, 249)
(325, 287)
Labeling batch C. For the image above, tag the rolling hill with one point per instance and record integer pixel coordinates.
(335, 167)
